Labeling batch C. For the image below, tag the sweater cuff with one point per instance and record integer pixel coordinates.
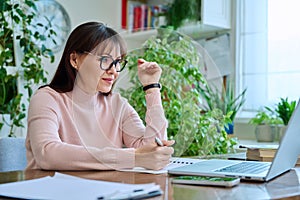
(153, 98)
(125, 158)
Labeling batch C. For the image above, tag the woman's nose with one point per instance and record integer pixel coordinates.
(112, 69)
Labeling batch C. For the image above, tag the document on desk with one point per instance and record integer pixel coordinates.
(66, 187)
(174, 162)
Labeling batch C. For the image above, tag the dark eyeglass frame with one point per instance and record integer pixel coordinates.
(114, 62)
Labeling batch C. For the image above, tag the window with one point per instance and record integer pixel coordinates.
(267, 51)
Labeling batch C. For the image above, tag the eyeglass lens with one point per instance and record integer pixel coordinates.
(107, 62)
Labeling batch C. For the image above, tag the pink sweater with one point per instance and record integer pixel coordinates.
(78, 131)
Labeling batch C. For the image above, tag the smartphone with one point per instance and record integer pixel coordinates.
(205, 180)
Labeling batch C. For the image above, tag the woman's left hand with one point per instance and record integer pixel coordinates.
(148, 72)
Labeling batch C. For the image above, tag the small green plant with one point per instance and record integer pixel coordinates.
(265, 116)
(285, 109)
(196, 133)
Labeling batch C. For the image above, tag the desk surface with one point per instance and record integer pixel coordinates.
(286, 186)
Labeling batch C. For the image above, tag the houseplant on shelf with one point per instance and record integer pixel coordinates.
(178, 11)
(22, 45)
(196, 133)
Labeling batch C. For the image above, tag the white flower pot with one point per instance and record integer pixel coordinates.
(282, 131)
(265, 133)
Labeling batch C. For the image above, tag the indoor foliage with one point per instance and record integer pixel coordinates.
(179, 11)
(22, 47)
(197, 133)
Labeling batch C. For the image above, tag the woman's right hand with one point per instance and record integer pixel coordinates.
(148, 72)
(151, 156)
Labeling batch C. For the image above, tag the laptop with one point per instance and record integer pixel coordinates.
(285, 159)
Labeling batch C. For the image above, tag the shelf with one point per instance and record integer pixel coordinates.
(203, 31)
(198, 31)
(138, 36)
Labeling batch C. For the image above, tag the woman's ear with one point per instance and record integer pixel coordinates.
(74, 60)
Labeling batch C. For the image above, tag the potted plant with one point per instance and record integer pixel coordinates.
(196, 133)
(22, 44)
(271, 122)
(266, 122)
(179, 11)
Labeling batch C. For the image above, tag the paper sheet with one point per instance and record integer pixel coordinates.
(174, 162)
(66, 187)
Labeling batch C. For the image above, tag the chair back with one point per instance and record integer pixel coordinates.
(12, 154)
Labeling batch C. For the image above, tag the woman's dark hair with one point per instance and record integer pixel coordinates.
(84, 38)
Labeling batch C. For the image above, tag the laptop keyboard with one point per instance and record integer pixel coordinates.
(246, 167)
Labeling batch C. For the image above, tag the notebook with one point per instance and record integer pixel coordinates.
(174, 162)
(285, 158)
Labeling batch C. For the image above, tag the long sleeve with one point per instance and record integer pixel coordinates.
(156, 123)
(52, 142)
(75, 131)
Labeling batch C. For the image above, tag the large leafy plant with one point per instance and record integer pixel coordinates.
(196, 133)
(22, 45)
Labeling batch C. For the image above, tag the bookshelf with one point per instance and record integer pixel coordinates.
(216, 21)
(139, 15)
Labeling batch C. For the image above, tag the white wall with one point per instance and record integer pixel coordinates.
(106, 11)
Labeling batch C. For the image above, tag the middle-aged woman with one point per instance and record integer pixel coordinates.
(77, 122)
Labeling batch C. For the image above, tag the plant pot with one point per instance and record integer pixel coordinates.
(12, 154)
(282, 130)
(265, 133)
(229, 128)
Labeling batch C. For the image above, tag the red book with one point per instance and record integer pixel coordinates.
(124, 14)
(137, 18)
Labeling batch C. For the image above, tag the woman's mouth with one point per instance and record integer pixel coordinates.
(108, 80)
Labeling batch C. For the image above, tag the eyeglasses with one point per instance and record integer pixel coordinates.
(106, 62)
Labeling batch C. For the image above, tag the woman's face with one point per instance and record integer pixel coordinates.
(90, 77)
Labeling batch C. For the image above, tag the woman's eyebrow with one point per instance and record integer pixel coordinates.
(107, 54)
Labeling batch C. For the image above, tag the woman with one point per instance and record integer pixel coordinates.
(77, 123)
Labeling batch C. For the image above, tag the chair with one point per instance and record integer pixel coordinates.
(12, 154)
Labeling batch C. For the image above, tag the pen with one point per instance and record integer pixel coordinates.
(133, 195)
(158, 142)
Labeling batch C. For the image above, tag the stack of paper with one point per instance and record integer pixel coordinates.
(66, 187)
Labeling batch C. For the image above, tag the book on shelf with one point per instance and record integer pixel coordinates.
(263, 153)
(138, 16)
(124, 14)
